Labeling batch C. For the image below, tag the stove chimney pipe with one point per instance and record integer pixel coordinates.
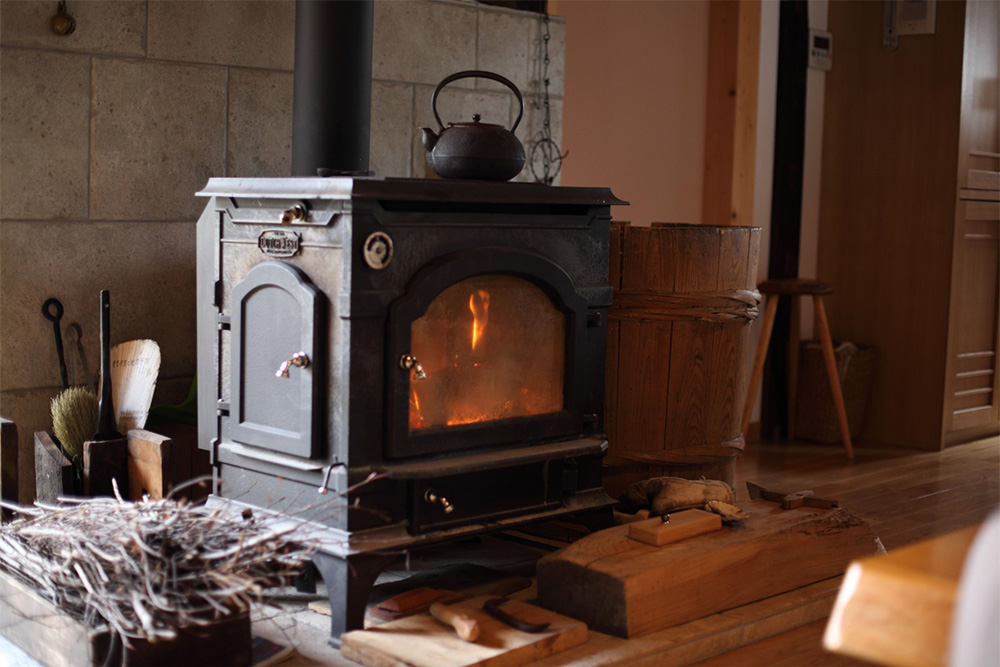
(331, 112)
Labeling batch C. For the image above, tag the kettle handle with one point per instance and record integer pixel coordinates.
(480, 74)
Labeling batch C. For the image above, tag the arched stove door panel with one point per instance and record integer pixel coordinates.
(485, 349)
(276, 360)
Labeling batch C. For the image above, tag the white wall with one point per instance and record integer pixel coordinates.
(634, 117)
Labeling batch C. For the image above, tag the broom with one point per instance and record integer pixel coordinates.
(74, 419)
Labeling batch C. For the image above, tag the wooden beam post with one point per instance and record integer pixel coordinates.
(731, 112)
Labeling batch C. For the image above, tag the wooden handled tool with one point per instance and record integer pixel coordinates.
(467, 628)
(790, 501)
(106, 410)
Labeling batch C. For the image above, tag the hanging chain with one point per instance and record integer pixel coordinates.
(544, 149)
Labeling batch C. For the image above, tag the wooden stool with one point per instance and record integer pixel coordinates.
(796, 287)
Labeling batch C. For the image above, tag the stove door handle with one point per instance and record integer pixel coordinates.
(300, 359)
(409, 362)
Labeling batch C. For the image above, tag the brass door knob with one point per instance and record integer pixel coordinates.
(300, 359)
(409, 362)
(432, 498)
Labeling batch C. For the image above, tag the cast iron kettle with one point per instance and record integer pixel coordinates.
(475, 150)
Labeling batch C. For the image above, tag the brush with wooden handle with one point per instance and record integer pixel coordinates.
(467, 628)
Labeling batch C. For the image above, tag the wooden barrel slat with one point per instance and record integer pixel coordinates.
(678, 350)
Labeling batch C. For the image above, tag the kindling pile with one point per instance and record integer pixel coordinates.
(149, 567)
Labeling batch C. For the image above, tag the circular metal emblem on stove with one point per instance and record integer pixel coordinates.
(378, 250)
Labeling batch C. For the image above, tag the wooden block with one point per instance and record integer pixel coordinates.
(8, 460)
(56, 639)
(896, 609)
(187, 462)
(411, 602)
(104, 460)
(682, 525)
(627, 588)
(53, 471)
(410, 599)
(150, 464)
(422, 641)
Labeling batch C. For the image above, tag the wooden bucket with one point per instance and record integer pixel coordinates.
(678, 350)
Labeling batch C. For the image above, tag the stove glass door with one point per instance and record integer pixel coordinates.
(490, 347)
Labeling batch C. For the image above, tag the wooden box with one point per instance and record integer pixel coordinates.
(57, 640)
(103, 461)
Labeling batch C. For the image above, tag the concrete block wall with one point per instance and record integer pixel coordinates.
(107, 134)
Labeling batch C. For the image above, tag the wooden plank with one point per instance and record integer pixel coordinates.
(8, 460)
(795, 648)
(696, 250)
(104, 461)
(720, 112)
(611, 355)
(709, 636)
(897, 608)
(688, 385)
(745, 120)
(422, 641)
(190, 461)
(692, 341)
(56, 639)
(614, 331)
(643, 363)
(150, 464)
(54, 475)
(34, 624)
(731, 112)
(648, 259)
(628, 589)
(681, 526)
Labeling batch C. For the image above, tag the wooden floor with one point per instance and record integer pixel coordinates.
(905, 496)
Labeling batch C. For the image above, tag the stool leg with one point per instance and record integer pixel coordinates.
(770, 312)
(831, 373)
(793, 367)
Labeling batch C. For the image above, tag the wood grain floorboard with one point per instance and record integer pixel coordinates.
(795, 648)
(904, 495)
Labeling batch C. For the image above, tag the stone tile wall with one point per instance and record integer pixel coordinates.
(107, 133)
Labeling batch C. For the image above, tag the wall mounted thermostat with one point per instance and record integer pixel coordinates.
(820, 50)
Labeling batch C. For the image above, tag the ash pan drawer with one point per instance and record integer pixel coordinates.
(483, 496)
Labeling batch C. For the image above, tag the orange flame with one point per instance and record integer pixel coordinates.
(416, 415)
(479, 304)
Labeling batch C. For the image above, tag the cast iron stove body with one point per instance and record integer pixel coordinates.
(401, 362)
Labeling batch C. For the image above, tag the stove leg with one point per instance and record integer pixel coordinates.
(596, 519)
(348, 583)
(306, 581)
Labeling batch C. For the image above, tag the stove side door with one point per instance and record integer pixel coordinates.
(275, 371)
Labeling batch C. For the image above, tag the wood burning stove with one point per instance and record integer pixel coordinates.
(402, 362)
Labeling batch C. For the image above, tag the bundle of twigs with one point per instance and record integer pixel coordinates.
(149, 567)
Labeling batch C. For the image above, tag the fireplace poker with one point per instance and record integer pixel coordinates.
(52, 309)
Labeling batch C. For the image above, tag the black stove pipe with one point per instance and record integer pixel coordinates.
(331, 111)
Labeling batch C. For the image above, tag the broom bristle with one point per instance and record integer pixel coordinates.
(74, 419)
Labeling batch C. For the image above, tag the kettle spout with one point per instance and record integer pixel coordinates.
(429, 138)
